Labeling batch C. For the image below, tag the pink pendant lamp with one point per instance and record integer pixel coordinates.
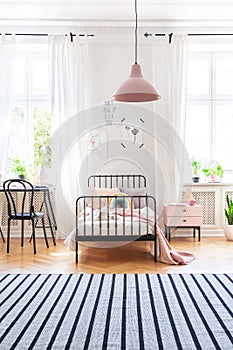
(136, 88)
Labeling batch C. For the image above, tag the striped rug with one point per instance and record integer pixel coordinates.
(141, 311)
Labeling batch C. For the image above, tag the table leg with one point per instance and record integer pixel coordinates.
(51, 210)
(50, 222)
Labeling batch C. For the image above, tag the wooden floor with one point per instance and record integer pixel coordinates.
(213, 255)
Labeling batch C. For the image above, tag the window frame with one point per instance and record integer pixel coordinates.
(212, 98)
(30, 52)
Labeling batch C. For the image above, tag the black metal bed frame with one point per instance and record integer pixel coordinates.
(130, 181)
(110, 181)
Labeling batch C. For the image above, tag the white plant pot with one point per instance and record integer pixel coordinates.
(228, 231)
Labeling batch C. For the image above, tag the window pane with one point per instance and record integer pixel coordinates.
(40, 83)
(198, 75)
(198, 131)
(224, 74)
(42, 131)
(20, 80)
(223, 135)
(18, 135)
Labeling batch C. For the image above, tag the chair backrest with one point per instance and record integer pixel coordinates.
(20, 196)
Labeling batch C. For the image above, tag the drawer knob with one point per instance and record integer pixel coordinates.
(184, 220)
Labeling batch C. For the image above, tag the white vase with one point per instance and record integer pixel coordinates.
(228, 231)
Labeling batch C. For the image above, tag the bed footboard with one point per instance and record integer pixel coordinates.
(114, 218)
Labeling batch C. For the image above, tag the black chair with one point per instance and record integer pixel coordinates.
(3, 239)
(20, 199)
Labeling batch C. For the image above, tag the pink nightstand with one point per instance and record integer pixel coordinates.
(182, 216)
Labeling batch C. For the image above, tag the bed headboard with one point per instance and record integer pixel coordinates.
(111, 181)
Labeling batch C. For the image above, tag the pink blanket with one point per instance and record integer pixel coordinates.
(167, 254)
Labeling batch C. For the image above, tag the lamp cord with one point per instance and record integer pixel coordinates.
(136, 32)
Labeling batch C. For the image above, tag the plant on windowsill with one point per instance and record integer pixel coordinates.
(18, 167)
(228, 228)
(214, 172)
(196, 166)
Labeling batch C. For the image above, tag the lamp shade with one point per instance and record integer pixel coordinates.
(136, 88)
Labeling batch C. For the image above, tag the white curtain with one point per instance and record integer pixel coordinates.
(7, 60)
(69, 90)
(170, 74)
(68, 74)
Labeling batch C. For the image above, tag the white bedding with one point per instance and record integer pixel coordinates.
(126, 225)
(122, 228)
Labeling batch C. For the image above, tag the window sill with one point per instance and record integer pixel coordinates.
(209, 184)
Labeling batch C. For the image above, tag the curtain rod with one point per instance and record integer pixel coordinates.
(190, 34)
(45, 34)
(146, 34)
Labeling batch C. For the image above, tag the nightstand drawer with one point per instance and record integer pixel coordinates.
(183, 210)
(183, 221)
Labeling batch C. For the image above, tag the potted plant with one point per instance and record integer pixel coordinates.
(228, 228)
(214, 172)
(196, 167)
(18, 167)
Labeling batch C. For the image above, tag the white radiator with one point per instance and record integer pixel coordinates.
(212, 197)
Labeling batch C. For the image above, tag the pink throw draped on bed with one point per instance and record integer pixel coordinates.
(170, 256)
(167, 254)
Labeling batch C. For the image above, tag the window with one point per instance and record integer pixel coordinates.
(31, 115)
(209, 113)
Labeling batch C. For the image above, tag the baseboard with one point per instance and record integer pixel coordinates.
(204, 233)
(27, 233)
(176, 233)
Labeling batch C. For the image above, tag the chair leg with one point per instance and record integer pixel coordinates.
(8, 236)
(76, 252)
(34, 236)
(45, 235)
(22, 233)
(3, 239)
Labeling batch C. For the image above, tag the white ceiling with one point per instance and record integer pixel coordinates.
(213, 15)
(156, 12)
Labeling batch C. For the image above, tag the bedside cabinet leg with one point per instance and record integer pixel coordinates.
(199, 233)
(169, 234)
(194, 232)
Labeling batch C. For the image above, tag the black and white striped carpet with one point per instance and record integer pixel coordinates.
(116, 312)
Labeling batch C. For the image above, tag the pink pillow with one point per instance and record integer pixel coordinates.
(136, 192)
(98, 203)
(106, 191)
